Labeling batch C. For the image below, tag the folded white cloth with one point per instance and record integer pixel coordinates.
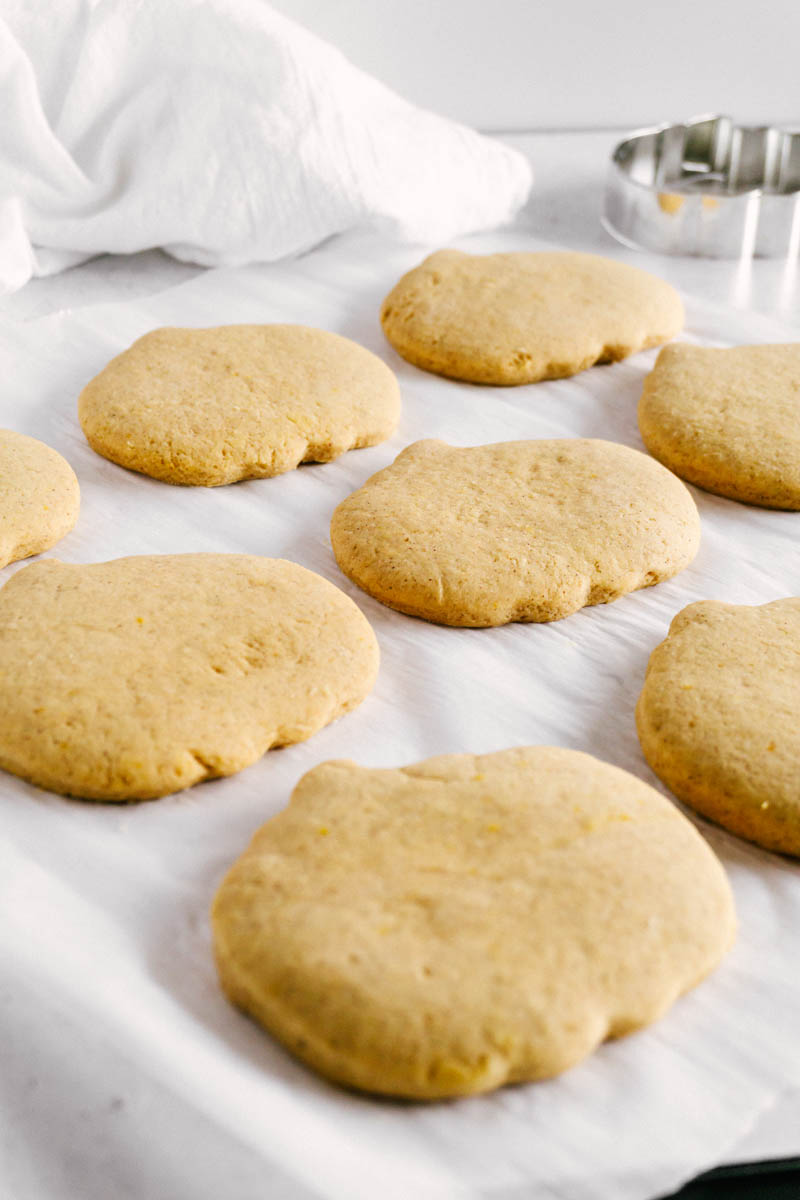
(221, 131)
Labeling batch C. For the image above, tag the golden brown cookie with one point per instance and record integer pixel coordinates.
(520, 317)
(514, 531)
(212, 406)
(718, 717)
(39, 497)
(468, 921)
(728, 420)
(137, 677)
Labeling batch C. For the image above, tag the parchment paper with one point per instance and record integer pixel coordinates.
(125, 1072)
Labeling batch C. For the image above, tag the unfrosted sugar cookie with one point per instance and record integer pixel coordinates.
(718, 717)
(39, 497)
(468, 921)
(130, 679)
(728, 420)
(520, 317)
(515, 531)
(213, 406)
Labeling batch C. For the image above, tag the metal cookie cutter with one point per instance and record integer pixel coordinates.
(709, 188)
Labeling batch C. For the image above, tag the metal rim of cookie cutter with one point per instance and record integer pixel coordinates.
(709, 188)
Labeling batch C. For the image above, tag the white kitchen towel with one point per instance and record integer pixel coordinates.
(221, 131)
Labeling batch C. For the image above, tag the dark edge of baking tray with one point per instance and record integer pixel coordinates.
(772, 1179)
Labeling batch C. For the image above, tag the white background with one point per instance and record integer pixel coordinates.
(561, 64)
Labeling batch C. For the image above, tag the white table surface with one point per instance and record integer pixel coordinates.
(564, 207)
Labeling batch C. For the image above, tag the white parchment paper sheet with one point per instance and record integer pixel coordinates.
(124, 1072)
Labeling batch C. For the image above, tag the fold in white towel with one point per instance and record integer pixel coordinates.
(221, 131)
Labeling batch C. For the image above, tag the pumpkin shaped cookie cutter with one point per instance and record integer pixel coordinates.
(709, 188)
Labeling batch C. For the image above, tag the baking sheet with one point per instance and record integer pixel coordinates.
(123, 1069)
